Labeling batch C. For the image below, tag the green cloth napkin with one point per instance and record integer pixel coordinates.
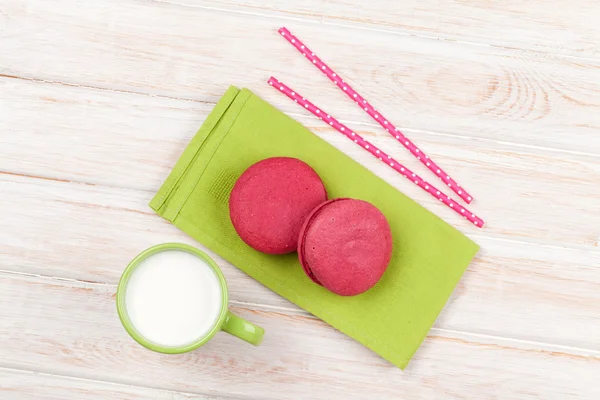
(429, 255)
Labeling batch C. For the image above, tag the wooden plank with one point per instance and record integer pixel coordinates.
(562, 28)
(132, 141)
(93, 136)
(24, 385)
(433, 86)
(52, 228)
(301, 357)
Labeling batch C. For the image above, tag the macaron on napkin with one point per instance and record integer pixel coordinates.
(429, 256)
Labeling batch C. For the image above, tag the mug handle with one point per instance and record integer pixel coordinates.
(243, 329)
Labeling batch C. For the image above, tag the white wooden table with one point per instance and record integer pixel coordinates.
(98, 99)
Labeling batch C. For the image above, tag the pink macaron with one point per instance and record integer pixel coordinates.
(345, 245)
(271, 200)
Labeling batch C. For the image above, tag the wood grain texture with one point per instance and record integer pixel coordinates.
(132, 141)
(318, 362)
(55, 219)
(562, 27)
(98, 99)
(18, 384)
(447, 88)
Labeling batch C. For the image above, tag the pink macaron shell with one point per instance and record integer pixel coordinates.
(345, 245)
(270, 201)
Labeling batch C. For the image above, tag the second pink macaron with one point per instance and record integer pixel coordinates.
(345, 245)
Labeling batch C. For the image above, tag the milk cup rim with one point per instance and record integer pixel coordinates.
(121, 296)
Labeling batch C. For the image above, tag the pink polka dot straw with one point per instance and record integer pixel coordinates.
(356, 138)
(376, 115)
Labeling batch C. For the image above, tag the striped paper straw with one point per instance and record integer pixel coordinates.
(356, 138)
(376, 115)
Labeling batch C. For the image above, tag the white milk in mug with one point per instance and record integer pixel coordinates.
(172, 298)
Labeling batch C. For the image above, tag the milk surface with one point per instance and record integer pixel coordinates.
(173, 298)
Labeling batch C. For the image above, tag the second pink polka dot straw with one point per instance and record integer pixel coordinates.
(376, 115)
(356, 138)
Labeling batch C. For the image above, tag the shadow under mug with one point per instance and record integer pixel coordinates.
(227, 321)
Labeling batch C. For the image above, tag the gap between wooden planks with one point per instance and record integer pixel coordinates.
(132, 141)
(317, 361)
(452, 88)
(534, 26)
(47, 223)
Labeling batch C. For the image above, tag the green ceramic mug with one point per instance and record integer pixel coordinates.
(163, 312)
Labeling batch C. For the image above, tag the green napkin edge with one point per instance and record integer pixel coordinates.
(176, 182)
